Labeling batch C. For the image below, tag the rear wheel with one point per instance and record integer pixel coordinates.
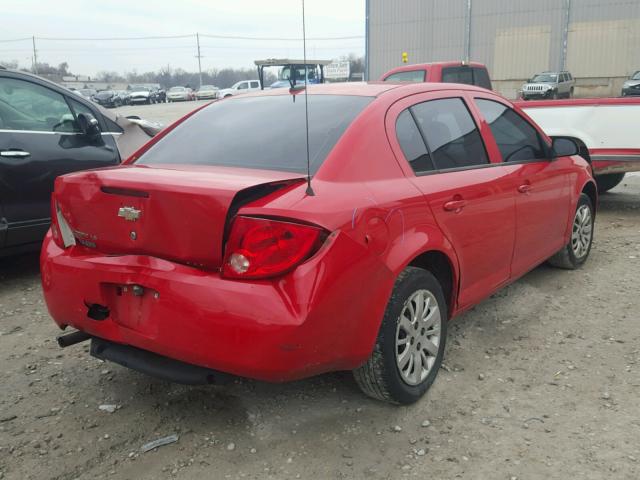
(410, 344)
(608, 181)
(576, 251)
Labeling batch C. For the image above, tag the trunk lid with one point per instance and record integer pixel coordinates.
(177, 213)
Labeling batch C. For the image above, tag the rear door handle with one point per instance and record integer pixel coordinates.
(14, 153)
(455, 205)
(526, 188)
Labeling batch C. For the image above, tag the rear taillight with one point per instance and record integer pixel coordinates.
(60, 229)
(261, 248)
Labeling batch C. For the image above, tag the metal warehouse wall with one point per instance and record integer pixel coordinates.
(514, 38)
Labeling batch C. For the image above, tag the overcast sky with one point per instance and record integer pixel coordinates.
(136, 18)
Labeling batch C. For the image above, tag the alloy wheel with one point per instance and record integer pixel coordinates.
(418, 336)
(582, 231)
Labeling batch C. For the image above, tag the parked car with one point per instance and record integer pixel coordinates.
(141, 94)
(243, 86)
(632, 86)
(108, 98)
(87, 93)
(179, 94)
(207, 91)
(468, 73)
(46, 131)
(125, 97)
(160, 95)
(548, 85)
(406, 196)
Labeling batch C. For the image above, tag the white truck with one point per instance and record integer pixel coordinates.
(606, 130)
(244, 86)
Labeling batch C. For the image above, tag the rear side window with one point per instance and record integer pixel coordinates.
(255, 85)
(457, 75)
(412, 143)
(481, 78)
(415, 76)
(517, 139)
(265, 132)
(451, 134)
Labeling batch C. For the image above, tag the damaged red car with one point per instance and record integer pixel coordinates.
(210, 253)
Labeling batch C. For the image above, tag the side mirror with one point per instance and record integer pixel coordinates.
(88, 125)
(564, 147)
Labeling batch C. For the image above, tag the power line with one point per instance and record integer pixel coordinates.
(191, 35)
(15, 40)
(107, 39)
(354, 37)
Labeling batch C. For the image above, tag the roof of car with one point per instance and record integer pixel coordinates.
(366, 89)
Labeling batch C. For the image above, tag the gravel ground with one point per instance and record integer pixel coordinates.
(541, 381)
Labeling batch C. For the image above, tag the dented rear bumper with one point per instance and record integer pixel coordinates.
(314, 319)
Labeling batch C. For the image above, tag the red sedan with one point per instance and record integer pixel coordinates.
(207, 253)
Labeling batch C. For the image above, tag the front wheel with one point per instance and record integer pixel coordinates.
(576, 251)
(608, 181)
(410, 344)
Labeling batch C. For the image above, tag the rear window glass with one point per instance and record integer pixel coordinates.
(481, 78)
(457, 75)
(415, 76)
(266, 132)
(452, 136)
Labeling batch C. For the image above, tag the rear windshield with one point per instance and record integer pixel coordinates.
(266, 132)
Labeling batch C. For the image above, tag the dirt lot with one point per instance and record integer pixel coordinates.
(541, 381)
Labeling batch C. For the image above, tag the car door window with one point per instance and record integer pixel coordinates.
(412, 143)
(517, 139)
(415, 76)
(243, 86)
(457, 75)
(29, 106)
(451, 134)
(255, 85)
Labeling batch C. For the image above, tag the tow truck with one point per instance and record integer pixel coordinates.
(292, 71)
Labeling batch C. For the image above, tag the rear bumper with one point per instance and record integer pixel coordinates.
(313, 320)
(623, 160)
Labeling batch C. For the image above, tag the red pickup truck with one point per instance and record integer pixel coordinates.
(469, 73)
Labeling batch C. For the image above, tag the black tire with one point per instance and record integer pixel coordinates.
(567, 258)
(554, 95)
(380, 376)
(608, 181)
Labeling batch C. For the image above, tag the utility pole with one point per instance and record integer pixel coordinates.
(565, 35)
(467, 33)
(199, 57)
(35, 56)
(366, 42)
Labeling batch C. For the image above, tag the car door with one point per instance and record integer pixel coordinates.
(40, 140)
(543, 191)
(243, 87)
(470, 196)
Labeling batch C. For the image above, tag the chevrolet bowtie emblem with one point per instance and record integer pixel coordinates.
(129, 213)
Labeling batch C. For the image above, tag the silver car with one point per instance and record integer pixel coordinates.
(632, 86)
(548, 85)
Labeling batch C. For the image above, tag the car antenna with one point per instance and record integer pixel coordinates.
(309, 191)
